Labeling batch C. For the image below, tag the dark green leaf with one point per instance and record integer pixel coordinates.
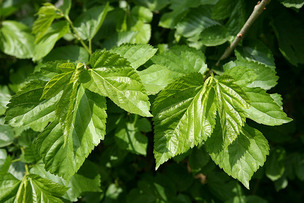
(6, 135)
(68, 53)
(275, 164)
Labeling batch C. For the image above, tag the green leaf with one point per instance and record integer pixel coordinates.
(5, 161)
(214, 35)
(6, 135)
(198, 159)
(89, 23)
(142, 14)
(68, 53)
(8, 7)
(292, 3)
(242, 75)
(63, 155)
(66, 7)
(48, 40)
(275, 164)
(157, 77)
(184, 116)
(153, 5)
(46, 15)
(87, 181)
(223, 9)
(54, 86)
(291, 44)
(4, 98)
(16, 39)
(255, 51)
(129, 136)
(263, 109)
(8, 187)
(182, 59)
(137, 55)
(197, 20)
(143, 32)
(243, 156)
(26, 109)
(265, 76)
(113, 77)
(231, 102)
(33, 188)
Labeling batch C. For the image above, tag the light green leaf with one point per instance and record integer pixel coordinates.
(182, 59)
(5, 161)
(4, 98)
(68, 53)
(231, 102)
(63, 155)
(153, 5)
(47, 42)
(292, 3)
(26, 109)
(275, 165)
(35, 189)
(197, 20)
(157, 77)
(243, 156)
(16, 39)
(141, 13)
(129, 136)
(113, 77)
(184, 116)
(263, 109)
(242, 75)
(143, 32)
(89, 23)
(265, 76)
(137, 55)
(6, 135)
(8, 187)
(46, 15)
(214, 35)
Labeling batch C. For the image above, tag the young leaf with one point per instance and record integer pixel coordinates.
(16, 39)
(184, 116)
(243, 156)
(63, 155)
(112, 76)
(8, 187)
(66, 7)
(46, 15)
(263, 109)
(33, 188)
(89, 23)
(26, 108)
(48, 40)
(137, 55)
(231, 102)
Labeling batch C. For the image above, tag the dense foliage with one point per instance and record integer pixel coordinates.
(127, 101)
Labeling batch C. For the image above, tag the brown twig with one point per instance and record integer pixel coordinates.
(258, 9)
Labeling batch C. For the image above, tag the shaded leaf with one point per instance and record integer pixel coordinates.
(16, 39)
(51, 36)
(4, 98)
(243, 156)
(6, 135)
(68, 53)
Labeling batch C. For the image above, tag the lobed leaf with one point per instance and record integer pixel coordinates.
(63, 155)
(184, 114)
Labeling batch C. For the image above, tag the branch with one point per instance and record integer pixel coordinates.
(257, 11)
